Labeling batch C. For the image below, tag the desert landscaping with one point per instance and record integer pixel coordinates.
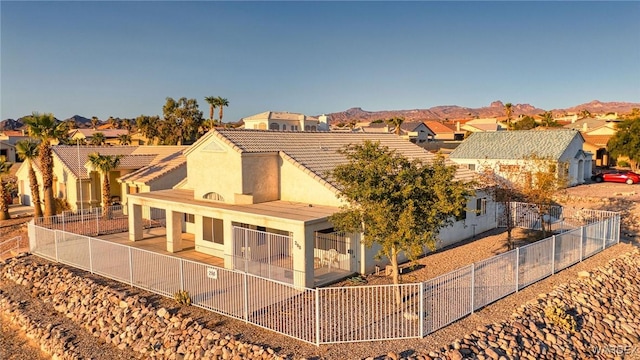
(72, 314)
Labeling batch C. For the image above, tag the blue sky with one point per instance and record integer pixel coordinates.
(123, 59)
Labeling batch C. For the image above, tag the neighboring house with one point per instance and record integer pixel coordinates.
(585, 124)
(508, 148)
(261, 201)
(481, 125)
(80, 186)
(414, 131)
(110, 135)
(8, 140)
(597, 146)
(445, 132)
(286, 121)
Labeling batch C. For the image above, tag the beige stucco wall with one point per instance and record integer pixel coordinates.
(260, 176)
(298, 186)
(217, 171)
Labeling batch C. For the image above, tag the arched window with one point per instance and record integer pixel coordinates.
(213, 196)
(284, 127)
(307, 128)
(313, 128)
(274, 126)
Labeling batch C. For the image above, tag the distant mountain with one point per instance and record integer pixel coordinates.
(81, 121)
(451, 112)
(599, 107)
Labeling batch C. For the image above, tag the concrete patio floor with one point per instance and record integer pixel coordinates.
(155, 240)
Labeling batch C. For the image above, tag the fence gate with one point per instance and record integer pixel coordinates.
(263, 254)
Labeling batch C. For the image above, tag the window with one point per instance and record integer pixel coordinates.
(190, 218)
(307, 128)
(313, 128)
(274, 126)
(212, 230)
(463, 215)
(213, 196)
(284, 127)
(481, 206)
(472, 167)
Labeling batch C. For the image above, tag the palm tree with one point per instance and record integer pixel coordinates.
(28, 151)
(396, 122)
(4, 205)
(547, 119)
(124, 139)
(127, 124)
(222, 102)
(94, 122)
(213, 103)
(104, 164)
(508, 111)
(46, 128)
(97, 139)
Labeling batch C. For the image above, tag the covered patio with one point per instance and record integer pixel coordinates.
(275, 239)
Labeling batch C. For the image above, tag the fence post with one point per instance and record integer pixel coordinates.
(181, 275)
(90, 255)
(604, 232)
(317, 293)
(97, 224)
(421, 308)
(517, 269)
(617, 228)
(246, 298)
(130, 266)
(473, 284)
(55, 243)
(553, 254)
(582, 229)
(63, 221)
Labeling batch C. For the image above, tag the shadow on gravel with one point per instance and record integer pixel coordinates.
(630, 214)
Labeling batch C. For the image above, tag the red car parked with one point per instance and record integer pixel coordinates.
(622, 176)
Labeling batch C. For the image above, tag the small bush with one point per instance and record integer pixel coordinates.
(182, 297)
(623, 164)
(559, 317)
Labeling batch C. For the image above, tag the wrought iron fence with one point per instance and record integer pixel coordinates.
(336, 314)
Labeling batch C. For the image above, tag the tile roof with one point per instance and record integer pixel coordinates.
(161, 165)
(590, 123)
(316, 153)
(74, 158)
(599, 140)
(108, 133)
(514, 144)
(439, 128)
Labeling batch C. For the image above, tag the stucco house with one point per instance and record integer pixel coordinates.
(261, 200)
(508, 148)
(80, 186)
(8, 140)
(445, 131)
(286, 121)
(414, 131)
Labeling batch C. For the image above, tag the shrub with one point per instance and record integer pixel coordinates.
(182, 297)
(559, 317)
(623, 164)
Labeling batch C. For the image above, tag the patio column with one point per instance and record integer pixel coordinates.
(174, 231)
(229, 240)
(135, 222)
(302, 256)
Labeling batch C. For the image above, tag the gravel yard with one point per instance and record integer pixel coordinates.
(605, 196)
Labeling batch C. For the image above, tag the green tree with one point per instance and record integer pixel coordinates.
(149, 127)
(626, 142)
(94, 122)
(396, 122)
(124, 139)
(104, 164)
(222, 102)
(97, 139)
(182, 122)
(547, 119)
(584, 113)
(398, 203)
(213, 103)
(46, 128)
(634, 114)
(508, 111)
(127, 124)
(28, 151)
(4, 205)
(526, 123)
